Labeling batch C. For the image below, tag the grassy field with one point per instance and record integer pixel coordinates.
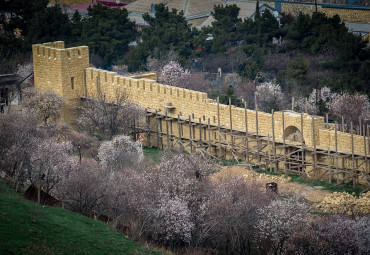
(28, 228)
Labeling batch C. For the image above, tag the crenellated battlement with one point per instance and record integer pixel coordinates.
(56, 51)
(59, 69)
(67, 73)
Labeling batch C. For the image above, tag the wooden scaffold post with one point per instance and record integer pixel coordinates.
(246, 132)
(314, 147)
(284, 148)
(218, 126)
(353, 158)
(257, 137)
(276, 168)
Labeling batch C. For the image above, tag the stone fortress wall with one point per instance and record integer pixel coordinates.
(56, 69)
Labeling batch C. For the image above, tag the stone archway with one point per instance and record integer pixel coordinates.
(293, 134)
(296, 159)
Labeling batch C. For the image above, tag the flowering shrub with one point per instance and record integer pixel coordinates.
(24, 70)
(173, 220)
(269, 97)
(351, 107)
(120, 152)
(329, 235)
(172, 72)
(323, 96)
(229, 215)
(50, 162)
(279, 220)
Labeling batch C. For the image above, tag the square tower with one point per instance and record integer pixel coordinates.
(60, 70)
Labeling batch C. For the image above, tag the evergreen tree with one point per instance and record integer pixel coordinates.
(225, 27)
(50, 24)
(107, 32)
(167, 31)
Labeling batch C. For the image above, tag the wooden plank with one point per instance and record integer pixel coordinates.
(256, 108)
(200, 129)
(305, 105)
(273, 140)
(167, 132)
(231, 121)
(314, 146)
(353, 157)
(329, 160)
(161, 130)
(190, 136)
(365, 151)
(218, 125)
(246, 132)
(302, 142)
(148, 127)
(343, 130)
(209, 136)
(180, 133)
(282, 116)
(336, 151)
(156, 128)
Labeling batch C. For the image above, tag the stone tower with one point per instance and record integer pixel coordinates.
(60, 70)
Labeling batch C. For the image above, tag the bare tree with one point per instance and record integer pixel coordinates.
(230, 216)
(99, 116)
(84, 189)
(331, 235)
(194, 81)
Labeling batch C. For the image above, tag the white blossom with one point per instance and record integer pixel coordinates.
(120, 152)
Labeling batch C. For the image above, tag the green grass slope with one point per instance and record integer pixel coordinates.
(28, 228)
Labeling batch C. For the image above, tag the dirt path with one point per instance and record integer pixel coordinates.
(313, 195)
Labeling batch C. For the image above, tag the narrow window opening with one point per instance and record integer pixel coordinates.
(73, 82)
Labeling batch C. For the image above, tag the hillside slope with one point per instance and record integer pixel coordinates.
(28, 228)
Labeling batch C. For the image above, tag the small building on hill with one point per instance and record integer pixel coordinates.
(196, 13)
(11, 89)
(45, 198)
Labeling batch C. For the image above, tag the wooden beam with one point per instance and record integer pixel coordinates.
(336, 151)
(314, 146)
(246, 132)
(231, 121)
(167, 133)
(209, 136)
(156, 128)
(353, 157)
(190, 136)
(218, 125)
(148, 127)
(258, 144)
(282, 116)
(180, 133)
(273, 141)
(200, 129)
(365, 151)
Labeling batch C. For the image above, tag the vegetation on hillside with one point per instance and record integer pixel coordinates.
(29, 228)
(171, 201)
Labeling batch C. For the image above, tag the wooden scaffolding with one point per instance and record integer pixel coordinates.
(257, 150)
